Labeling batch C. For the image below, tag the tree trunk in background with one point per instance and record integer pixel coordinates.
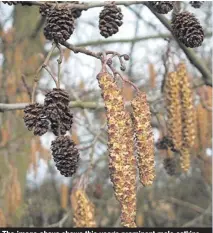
(21, 56)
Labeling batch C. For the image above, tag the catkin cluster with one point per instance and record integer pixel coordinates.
(56, 117)
(84, 210)
(180, 113)
(122, 163)
(144, 138)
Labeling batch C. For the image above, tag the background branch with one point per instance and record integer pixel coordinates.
(190, 54)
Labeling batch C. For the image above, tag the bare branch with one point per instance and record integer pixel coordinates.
(72, 104)
(190, 54)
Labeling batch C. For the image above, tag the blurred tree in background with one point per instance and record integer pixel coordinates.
(32, 191)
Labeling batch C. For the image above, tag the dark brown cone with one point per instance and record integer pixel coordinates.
(42, 125)
(188, 29)
(45, 9)
(196, 4)
(31, 112)
(10, 3)
(56, 109)
(170, 166)
(166, 143)
(162, 7)
(65, 155)
(59, 26)
(110, 19)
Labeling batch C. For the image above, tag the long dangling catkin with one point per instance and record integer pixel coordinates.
(122, 163)
(3, 222)
(187, 108)
(144, 138)
(185, 159)
(202, 126)
(84, 210)
(173, 107)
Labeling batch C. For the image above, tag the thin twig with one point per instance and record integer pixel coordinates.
(28, 89)
(59, 60)
(36, 78)
(52, 76)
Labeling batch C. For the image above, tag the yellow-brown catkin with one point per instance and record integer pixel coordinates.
(122, 163)
(202, 126)
(3, 222)
(84, 210)
(144, 138)
(187, 108)
(185, 159)
(173, 107)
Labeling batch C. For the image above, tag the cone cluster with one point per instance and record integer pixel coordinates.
(196, 4)
(187, 29)
(65, 155)
(162, 7)
(84, 211)
(122, 163)
(59, 25)
(144, 138)
(110, 19)
(54, 114)
(35, 120)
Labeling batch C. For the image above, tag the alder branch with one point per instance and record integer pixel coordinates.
(132, 40)
(76, 49)
(85, 6)
(190, 54)
(72, 104)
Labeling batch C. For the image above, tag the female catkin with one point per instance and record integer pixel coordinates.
(144, 138)
(122, 164)
(173, 107)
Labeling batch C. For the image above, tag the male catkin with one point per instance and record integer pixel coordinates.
(144, 138)
(122, 164)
